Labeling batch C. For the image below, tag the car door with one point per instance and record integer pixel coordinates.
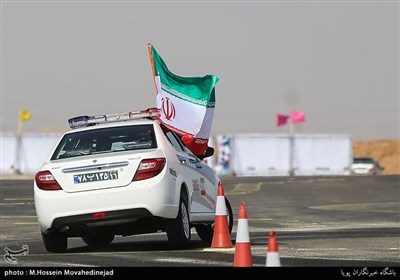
(200, 177)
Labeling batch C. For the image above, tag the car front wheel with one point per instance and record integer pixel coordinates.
(178, 229)
(55, 242)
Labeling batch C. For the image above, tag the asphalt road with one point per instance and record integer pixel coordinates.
(319, 222)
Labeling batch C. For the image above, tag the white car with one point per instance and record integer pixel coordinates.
(365, 166)
(124, 174)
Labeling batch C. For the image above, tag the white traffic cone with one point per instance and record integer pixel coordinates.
(272, 254)
(242, 246)
(221, 237)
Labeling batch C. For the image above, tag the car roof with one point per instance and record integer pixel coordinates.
(363, 159)
(113, 124)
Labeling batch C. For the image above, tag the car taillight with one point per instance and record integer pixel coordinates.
(149, 168)
(372, 170)
(99, 215)
(45, 181)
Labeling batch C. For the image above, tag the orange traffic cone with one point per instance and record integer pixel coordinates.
(242, 248)
(221, 237)
(272, 254)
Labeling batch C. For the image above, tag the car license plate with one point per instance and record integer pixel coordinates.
(94, 177)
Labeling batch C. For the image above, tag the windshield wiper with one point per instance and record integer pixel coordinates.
(106, 151)
(78, 153)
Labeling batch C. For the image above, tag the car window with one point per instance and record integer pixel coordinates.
(106, 140)
(362, 160)
(177, 143)
(174, 141)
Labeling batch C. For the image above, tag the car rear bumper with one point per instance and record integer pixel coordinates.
(55, 209)
(124, 222)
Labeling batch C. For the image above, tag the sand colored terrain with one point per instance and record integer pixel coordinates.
(386, 152)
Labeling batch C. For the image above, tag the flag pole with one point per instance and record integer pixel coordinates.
(291, 155)
(152, 64)
(17, 162)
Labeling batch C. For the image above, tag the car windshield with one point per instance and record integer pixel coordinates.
(106, 140)
(363, 160)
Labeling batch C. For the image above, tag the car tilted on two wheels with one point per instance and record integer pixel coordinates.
(124, 175)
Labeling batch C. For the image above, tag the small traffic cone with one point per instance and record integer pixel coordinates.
(272, 254)
(221, 237)
(242, 248)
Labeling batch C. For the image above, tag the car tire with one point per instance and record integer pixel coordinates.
(55, 242)
(97, 240)
(206, 232)
(178, 229)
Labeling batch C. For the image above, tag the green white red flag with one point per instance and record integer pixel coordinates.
(186, 104)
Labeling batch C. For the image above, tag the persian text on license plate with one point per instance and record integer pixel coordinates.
(94, 177)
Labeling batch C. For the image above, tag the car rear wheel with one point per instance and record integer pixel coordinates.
(55, 242)
(96, 239)
(178, 229)
(206, 232)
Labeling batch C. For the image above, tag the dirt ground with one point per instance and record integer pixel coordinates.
(386, 152)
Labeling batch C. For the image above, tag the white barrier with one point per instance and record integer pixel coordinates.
(265, 154)
(35, 148)
(239, 154)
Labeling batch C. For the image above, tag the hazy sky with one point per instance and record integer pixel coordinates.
(336, 60)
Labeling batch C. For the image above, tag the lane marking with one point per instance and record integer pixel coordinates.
(330, 180)
(15, 203)
(189, 261)
(383, 207)
(258, 219)
(27, 223)
(322, 249)
(245, 188)
(17, 217)
(294, 180)
(218, 249)
(276, 183)
(301, 181)
(22, 198)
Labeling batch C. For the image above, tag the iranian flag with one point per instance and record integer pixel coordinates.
(186, 104)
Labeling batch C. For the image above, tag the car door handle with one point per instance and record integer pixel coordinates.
(198, 166)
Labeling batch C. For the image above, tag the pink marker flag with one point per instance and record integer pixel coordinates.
(281, 119)
(297, 116)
